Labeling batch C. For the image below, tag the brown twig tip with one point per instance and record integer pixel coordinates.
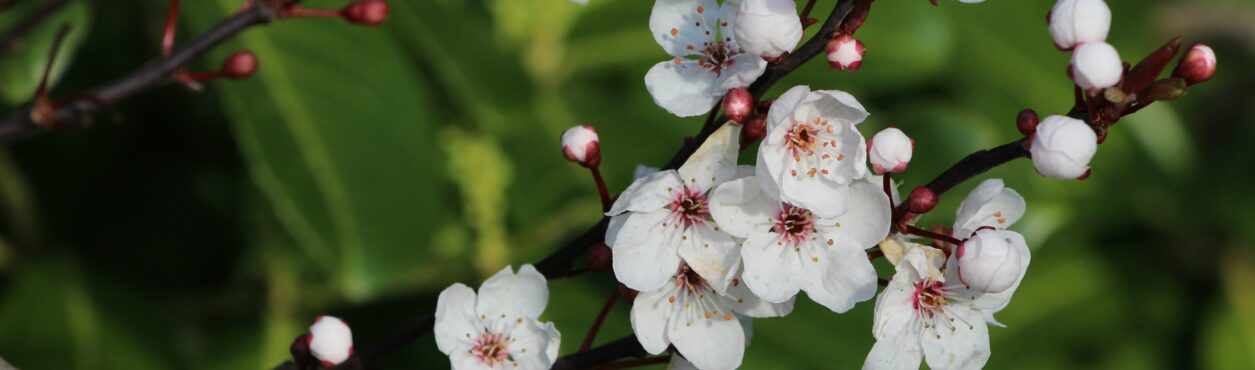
(364, 12)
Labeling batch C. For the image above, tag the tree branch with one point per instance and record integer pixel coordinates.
(157, 72)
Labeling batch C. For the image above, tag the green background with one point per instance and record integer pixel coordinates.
(362, 170)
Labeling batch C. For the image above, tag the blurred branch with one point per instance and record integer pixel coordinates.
(78, 110)
(12, 38)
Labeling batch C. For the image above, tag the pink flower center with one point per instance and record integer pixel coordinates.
(930, 297)
(812, 145)
(690, 207)
(491, 348)
(794, 224)
(717, 57)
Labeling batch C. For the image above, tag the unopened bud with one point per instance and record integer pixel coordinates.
(921, 200)
(1063, 147)
(1198, 64)
(767, 28)
(1026, 122)
(755, 128)
(240, 65)
(1167, 89)
(738, 104)
(330, 341)
(366, 12)
(890, 151)
(989, 261)
(1096, 66)
(300, 351)
(1076, 22)
(599, 258)
(581, 145)
(845, 53)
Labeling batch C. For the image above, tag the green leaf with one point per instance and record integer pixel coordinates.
(22, 67)
(338, 134)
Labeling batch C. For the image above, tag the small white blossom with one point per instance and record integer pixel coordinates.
(702, 322)
(813, 149)
(330, 340)
(789, 248)
(1096, 66)
(1063, 147)
(989, 262)
(845, 53)
(890, 150)
(768, 28)
(1075, 22)
(707, 61)
(580, 144)
(992, 207)
(663, 219)
(499, 328)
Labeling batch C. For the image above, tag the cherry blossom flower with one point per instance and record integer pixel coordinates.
(499, 328)
(768, 28)
(1096, 66)
(330, 341)
(664, 219)
(813, 150)
(845, 53)
(788, 248)
(1062, 147)
(707, 61)
(890, 150)
(580, 144)
(700, 320)
(990, 209)
(1075, 22)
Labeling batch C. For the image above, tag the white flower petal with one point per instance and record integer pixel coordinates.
(741, 208)
(895, 353)
(743, 71)
(646, 250)
(839, 275)
(715, 161)
(682, 87)
(455, 319)
(711, 343)
(678, 24)
(783, 107)
(651, 313)
(991, 303)
(841, 105)
(646, 194)
(679, 363)
(867, 217)
(895, 307)
(714, 255)
(505, 293)
(990, 204)
(772, 267)
(745, 302)
(959, 344)
(464, 360)
(534, 346)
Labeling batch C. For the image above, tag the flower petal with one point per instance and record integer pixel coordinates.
(455, 319)
(741, 208)
(772, 267)
(714, 255)
(990, 204)
(867, 216)
(646, 250)
(717, 342)
(513, 295)
(678, 24)
(744, 70)
(682, 87)
(744, 302)
(959, 344)
(838, 275)
(783, 107)
(715, 161)
(464, 360)
(651, 313)
(894, 353)
(990, 303)
(535, 344)
(646, 194)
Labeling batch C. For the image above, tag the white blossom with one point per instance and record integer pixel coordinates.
(580, 144)
(1075, 22)
(499, 327)
(707, 61)
(890, 150)
(788, 248)
(663, 219)
(1096, 66)
(330, 340)
(989, 262)
(992, 207)
(845, 53)
(813, 149)
(1062, 147)
(768, 28)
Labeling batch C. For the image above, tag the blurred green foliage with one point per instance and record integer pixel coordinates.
(362, 170)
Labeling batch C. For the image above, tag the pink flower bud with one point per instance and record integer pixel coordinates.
(330, 341)
(767, 28)
(581, 145)
(599, 258)
(989, 262)
(921, 200)
(1096, 66)
(241, 64)
(1198, 64)
(890, 151)
(738, 104)
(1063, 147)
(1026, 122)
(1075, 22)
(845, 53)
(367, 12)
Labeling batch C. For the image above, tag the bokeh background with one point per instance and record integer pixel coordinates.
(363, 170)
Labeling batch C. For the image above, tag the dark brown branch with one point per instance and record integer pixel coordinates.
(13, 37)
(624, 347)
(157, 72)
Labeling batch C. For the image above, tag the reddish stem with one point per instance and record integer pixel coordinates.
(297, 12)
(873, 255)
(172, 22)
(601, 317)
(806, 11)
(636, 363)
(197, 76)
(601, 188)
(931, 235)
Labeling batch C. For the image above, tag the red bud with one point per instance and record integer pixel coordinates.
(922, 200)
(367, 12)
(240, 65)
(738, 104)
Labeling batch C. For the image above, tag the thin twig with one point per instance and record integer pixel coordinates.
(12, 38)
